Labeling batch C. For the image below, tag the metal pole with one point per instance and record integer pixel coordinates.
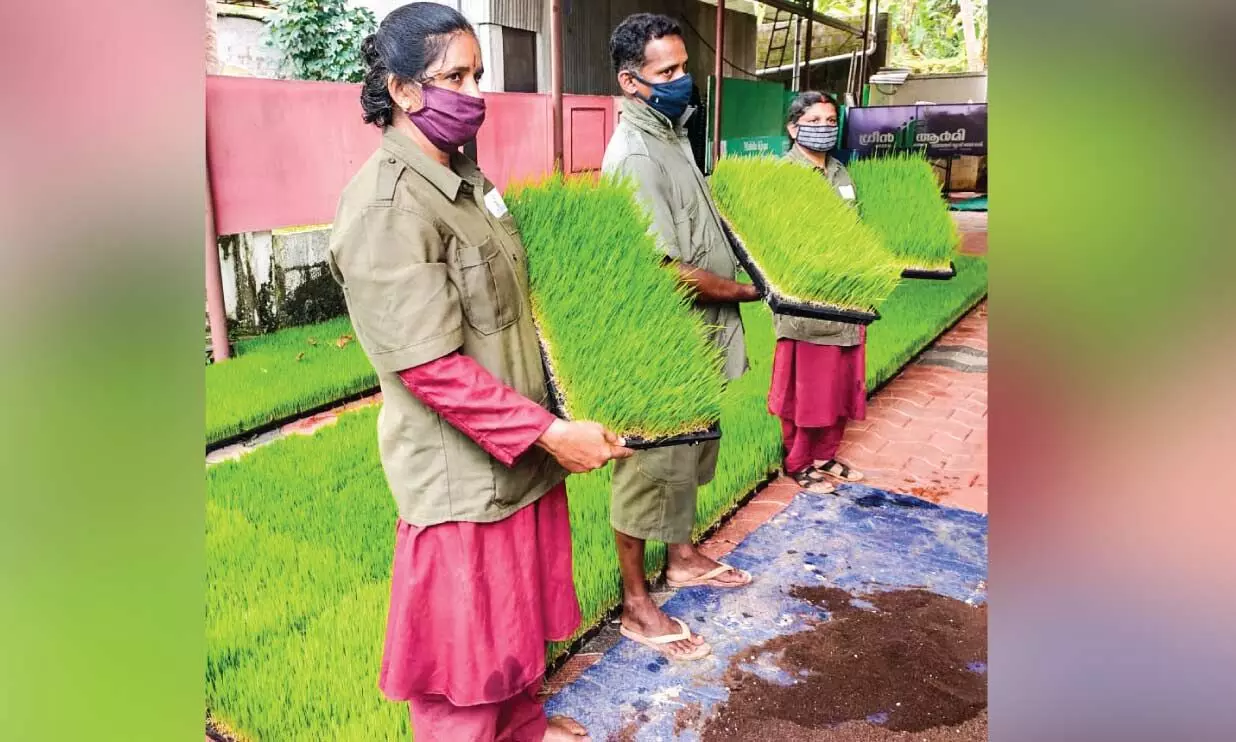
(717, 73)
(215, 309)
(796, 74)
(555, 80)
(806, 76)
(862, 77)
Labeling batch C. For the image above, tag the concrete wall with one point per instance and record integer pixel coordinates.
(242, 42)
(278, 279)
(961, 87)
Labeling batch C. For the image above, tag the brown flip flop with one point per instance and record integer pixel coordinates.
(815, 484)
(838, 470)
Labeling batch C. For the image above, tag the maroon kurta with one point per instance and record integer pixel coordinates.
(815, 389)
(472, 604)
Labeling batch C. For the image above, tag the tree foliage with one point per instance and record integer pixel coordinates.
(925, 35)
(321, 39)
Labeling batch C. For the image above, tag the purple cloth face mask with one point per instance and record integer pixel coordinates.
(448, 119)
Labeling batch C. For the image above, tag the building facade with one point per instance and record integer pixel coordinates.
(514, 36)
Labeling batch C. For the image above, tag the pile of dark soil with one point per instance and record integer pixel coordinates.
(916, 664)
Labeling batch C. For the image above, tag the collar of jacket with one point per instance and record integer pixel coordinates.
(643, 117)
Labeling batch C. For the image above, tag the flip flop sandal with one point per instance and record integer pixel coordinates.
(813, 481)
(709, 578)
(659, 642)
(838, 470)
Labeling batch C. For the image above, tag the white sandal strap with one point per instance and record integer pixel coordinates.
(714, 573)
(670, 638)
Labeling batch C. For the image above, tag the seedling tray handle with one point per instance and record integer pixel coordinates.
(940, 275)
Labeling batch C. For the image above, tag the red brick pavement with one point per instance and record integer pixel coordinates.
(973, 228)
(926, 431)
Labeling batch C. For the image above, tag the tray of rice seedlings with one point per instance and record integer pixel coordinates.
(803, 246)
(620, 342)
(899, 196)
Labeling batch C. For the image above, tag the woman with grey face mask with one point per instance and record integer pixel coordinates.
(819, 374)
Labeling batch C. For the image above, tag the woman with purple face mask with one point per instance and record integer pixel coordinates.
(819, 366)
(436, 283)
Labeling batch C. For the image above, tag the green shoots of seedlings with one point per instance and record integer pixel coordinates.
(899, 196)
(810, 245)
(624, 346)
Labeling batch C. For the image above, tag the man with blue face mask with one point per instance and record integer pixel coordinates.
(654, 492)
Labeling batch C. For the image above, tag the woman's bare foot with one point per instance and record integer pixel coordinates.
(686, 563)
(642, 616)
(565, 729)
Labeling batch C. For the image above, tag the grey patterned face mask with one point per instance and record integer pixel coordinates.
(817, 137)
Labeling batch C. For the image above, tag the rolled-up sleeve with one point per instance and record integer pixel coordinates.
(498, 418)
(655, 193)
(402, 301)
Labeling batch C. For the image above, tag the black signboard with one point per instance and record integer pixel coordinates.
(940, 130)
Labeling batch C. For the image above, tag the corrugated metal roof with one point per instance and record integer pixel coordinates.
(524, 14)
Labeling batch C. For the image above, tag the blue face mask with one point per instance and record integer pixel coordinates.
(670, 99)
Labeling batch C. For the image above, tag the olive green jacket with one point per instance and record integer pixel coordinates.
(431, 262)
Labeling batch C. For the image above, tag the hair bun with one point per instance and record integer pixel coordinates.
(369, 51)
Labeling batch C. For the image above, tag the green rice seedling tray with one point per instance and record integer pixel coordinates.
(793, 307)
(557, 405)
(938, 275)
(619, 335)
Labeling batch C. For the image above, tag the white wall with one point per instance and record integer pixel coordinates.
(243, 49)
(969, 87)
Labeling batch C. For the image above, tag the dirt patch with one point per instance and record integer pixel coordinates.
(974, 730)
(931, 493)
(832, 599)
(686, 718)
(914, 664)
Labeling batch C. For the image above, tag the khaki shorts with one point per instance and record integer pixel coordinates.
(653, 495)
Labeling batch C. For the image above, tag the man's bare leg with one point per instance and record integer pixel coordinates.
(686, 562)
(639, 612)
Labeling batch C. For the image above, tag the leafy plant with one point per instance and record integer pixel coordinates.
(321, 39)
(810, 245)
(624, 346)
(898, 195)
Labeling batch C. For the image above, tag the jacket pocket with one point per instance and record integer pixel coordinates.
(489, 287)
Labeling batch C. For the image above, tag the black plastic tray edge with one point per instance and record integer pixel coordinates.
(784, 306)
(557, 406)
(931, 275)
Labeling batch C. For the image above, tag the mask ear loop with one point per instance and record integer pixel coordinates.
(423, 83)
(635, 76)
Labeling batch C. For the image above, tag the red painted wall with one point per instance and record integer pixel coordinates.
(281, 151)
